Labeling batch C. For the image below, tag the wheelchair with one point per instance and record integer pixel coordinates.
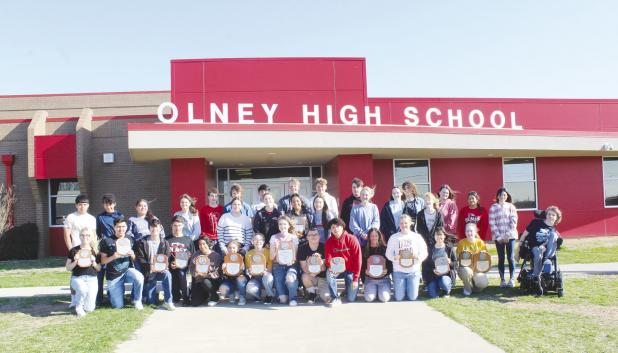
(550, 279)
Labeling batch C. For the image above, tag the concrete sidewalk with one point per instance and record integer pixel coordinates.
(357, 327)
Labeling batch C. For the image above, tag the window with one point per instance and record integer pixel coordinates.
(62, 193)
(416, 171)
(520, 179)
(610, 181)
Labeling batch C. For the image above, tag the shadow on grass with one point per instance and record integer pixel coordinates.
(47, 262)
(47, 306)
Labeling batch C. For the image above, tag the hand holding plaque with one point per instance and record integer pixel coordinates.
(181, 259)
(465, 259)
(232, 264)
(337, 265)
(84, 258)
(123, 246)
(257, 264)
(376, 266)
(314, 264)
(160, 263)
(285, 253)
(202, 265)
(406, 258)
(442, 265)
(482, 262)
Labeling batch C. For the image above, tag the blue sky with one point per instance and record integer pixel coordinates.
(544, 49)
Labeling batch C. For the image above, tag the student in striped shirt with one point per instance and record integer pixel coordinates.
(234, 226)
(503, 225)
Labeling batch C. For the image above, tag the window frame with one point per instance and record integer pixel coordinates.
(536, 182)
(413, 159)
(49, 202)
(603, 172)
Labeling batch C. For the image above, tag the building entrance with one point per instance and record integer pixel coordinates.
(277, 178)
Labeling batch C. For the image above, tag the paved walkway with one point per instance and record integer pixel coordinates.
(357, 327)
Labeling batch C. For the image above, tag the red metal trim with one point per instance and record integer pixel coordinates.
(61, 120)
(8, 160)
(359, 128)
(14, 121)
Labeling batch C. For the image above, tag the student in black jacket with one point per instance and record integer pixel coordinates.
(147, 250)
(265, 220)
(391, 212)
(435, 281)
(429, 219)
(351, 201)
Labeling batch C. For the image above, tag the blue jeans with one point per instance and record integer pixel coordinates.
(443, 282)
(234, 284)
(115, 287)
(150, 287)
(349, 280)
(510, 253)
(286, 280)
(406, 284)
(255, 285)
(380, 288)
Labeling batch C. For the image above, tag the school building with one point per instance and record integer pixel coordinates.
(255, 121)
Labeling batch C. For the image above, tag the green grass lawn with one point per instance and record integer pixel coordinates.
(44, 324)
(584, 320)
(34, 273)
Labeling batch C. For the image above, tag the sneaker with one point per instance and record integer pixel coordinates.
(232, 300)
(502, 283)
(511, 283)
(335, 302)
(311, 298)
(467, 293)
(293, 303)
(169, 306)
(242, 301)
(268, 300)
(138, 305)
(80, 312)
(212, 303)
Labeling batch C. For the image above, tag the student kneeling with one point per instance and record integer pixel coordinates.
(440, 267)
(205, 267)
(81, 261)
(147, 251)
(474, 245)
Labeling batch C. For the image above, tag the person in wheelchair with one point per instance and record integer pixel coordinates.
(540, 241)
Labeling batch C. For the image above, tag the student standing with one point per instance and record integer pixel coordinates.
(414, 203)
(449, 211)
(503, 225)
(320, 218)
(429, 219)
(105, 229)
(234, 226)
(236, 193)
(262, 190)
(179, 243)
(266, 219)
(78, 220)
(147, 249)
(351, 201)
(364, 216)
(84, 279)
(284, 203)
(210, 214)
(406, 279)
(342, 245)
(139, 226)
(392, 210)
(189, 214)
(120, 268)
(321, 185)
(473, 213)
(301, 217)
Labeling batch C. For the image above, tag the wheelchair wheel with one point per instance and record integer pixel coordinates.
(559, 284)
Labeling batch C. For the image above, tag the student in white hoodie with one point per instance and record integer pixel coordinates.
(331, 202)
(406, 280)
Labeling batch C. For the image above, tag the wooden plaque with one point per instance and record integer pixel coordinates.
(314, 264)
(123, 246)
(405, 258)
(337, 265)
(160, 263)
(482, 262)
(182, 259)
(285, 254)
(232, 264)
(442, 265)
(84, 258)
(376, 266)
(257, 264)
(465, 259)
(202, 265)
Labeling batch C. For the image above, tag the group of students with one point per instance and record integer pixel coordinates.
(265, 252)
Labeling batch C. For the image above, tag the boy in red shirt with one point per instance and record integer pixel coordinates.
(210, 214)
(343, 260)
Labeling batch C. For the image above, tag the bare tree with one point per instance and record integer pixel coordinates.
(7, 202)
